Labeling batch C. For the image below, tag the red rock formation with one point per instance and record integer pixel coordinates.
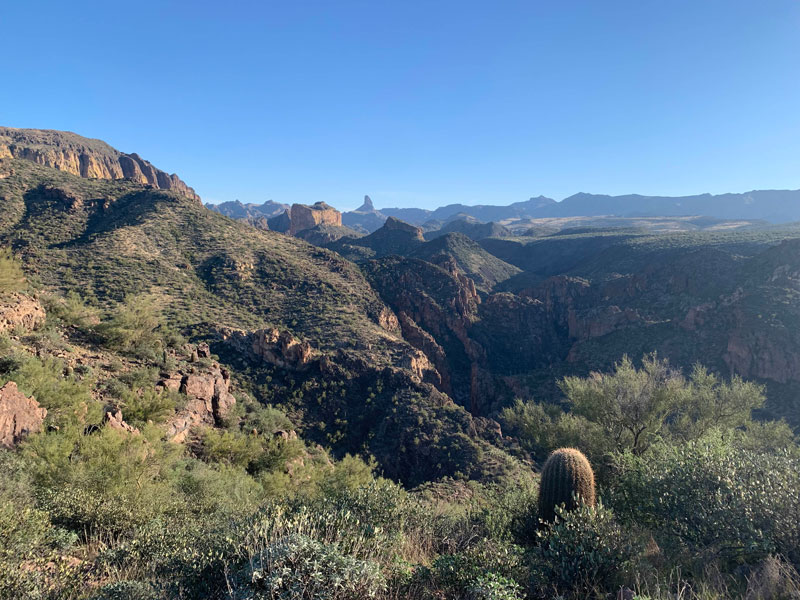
(275, 347)
(85, 157)
(304, 217)
(114, 420)
(209, 400)
(19, 415)
(19, 310)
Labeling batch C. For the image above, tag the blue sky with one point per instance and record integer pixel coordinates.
(420, 103)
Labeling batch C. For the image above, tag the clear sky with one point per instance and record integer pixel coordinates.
(420, 103)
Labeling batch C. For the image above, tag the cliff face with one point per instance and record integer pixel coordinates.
(306, 217)
(85, 157)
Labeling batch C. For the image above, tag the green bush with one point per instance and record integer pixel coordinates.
(134, 327)
(490, 570)
(298, 567)
(582, 553)
(67, 399)
(713, 500)
(12, 279)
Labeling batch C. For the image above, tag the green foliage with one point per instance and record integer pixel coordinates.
(488, 570)
(567, 480)
(12, 279)
(583, 552)
(713, 499)
(67, 399)
(632, 408)
(298, 567)
(71, 310)
(149, 405)
(631, 405)
(134, 327)
(108, 481)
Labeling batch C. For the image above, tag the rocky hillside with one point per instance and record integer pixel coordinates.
(291, 322)
(84, 157)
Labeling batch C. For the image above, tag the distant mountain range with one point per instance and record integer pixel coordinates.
(774, 206)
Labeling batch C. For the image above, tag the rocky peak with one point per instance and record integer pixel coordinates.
(394, 224)
(367, 206)
(304, 217)
(86, 158)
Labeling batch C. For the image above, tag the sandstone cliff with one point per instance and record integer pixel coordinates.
(304, 217)
(84, 157)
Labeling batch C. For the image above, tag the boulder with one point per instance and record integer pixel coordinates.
(19, 415)
(20, 310)
(208, 400)
(114, 421)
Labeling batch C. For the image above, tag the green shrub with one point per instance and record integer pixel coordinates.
(567, 480)
(67, 399)
(12, 279)
(298, 567)
(106, 482)
(489, 570)
(712, 499)
(133, 327)
(583, 552)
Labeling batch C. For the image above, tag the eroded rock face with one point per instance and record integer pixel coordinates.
(208, 400)
(275, 347)
(114, 420)
(304, 217)
(19, 416)
(85, 157)
(19, 310)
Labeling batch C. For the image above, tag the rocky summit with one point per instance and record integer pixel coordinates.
(85, 157)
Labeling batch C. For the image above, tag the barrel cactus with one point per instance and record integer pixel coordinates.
(567, 478)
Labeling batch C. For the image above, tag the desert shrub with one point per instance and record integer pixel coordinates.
(582, 553)
(712, 500)
(149, 404)
(134, 326)
(491, 570)
(298, 567)
(67, 399)
(631, 408)
(12, 279)
(540, 428)
(232, 448)
(31, 548)
(107, 482)
(128, 590)
(71, 310)
(217, 489)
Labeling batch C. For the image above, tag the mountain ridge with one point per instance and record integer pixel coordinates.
(86, 157)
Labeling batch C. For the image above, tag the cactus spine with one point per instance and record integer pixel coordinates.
(565, 475)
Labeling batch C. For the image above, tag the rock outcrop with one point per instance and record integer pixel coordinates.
(304, 217)
(208, 399)
(114, 420)
(19, 416)
(20, 311)
(85, 157)
(270, 345)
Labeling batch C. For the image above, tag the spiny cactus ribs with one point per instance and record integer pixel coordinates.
(567, 478)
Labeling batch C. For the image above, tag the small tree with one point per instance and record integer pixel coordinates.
(133, 326)
(632, 405)
(12, 279)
